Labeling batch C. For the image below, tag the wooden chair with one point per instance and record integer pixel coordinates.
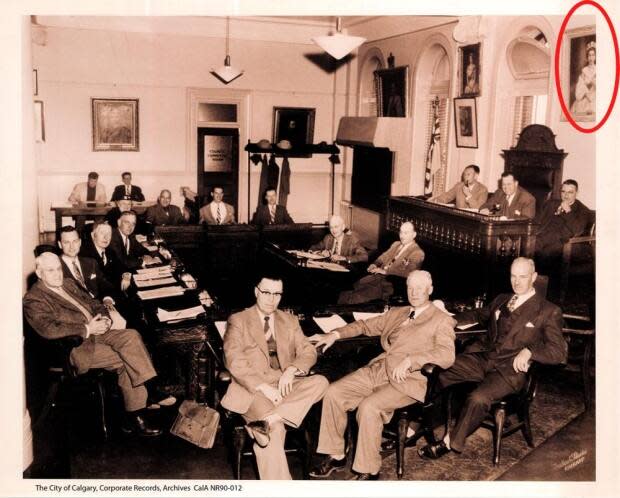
(578, 257)
(579, 332)
(240, 445)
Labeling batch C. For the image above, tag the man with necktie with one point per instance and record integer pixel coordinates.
(57, 307)
(341, 245)
(510, 201)
(268, 357)
(164, 213)
(127, 191)
(271, 213)
(399, 260)
(217, 212)
(124, 244)
(410, 336)
(521, 328)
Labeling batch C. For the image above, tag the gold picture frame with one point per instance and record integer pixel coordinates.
(115, 125)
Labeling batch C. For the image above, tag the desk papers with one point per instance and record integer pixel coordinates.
(363, 315)
(176, 316)
(150, 260)
(326, 265)
(150, 282)
(156, 270)
(466, 326)
(175, 290)
(329, 323)
(306, 254)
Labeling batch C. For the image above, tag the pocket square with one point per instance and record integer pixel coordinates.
(529, 324)
(92, 276)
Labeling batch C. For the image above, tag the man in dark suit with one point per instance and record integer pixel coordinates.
(124, 244)
(96, 245)
(522, 327)
(510, 200)
(399, 260)
(56, 307)
(164, 213)
(127, 191)
(340, 244)
(271, 213)
(268, 357)
(560, 219)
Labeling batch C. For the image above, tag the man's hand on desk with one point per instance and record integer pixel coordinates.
(376, 269)
(337, 257)
(271, 393)
(399, 373)
(521, 363)
(285, 384)
(485, 211)
(325, 253)
(324, 340)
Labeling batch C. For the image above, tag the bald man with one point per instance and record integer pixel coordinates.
(341, 245)
(164, 213)
(57, 307)
(399, 260)
(410, 336)
(522, 327)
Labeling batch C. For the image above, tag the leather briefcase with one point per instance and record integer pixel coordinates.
(196, 423)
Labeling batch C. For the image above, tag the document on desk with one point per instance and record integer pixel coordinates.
(158, 270)
(151, 282)
(466, 326)
(306, 254)
(326, 265)
(363, 315)
(150, 260)
(176, 316)
(329, 323)
(221, 327)
(175, 290)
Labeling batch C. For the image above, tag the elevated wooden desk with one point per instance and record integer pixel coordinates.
(90, 210)
(485, 245)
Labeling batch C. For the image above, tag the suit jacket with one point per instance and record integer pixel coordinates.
(112, 269)
(555, 230)
(246, 354)
(538, 327)
(478, 196)
(97, 285)
(427, 339)
(131, 261)
(523, 202)
(80, 191)
(410, 259)
(157, 216)
(351, 247)
(207, 217)
(135, 193)
(53, 317)
(262, 216)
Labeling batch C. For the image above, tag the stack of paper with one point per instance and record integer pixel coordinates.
(362, 315)
(329, 323)
(305, 254)
(175, 290)
(150, 260)
(173, 316)
(159, 270)
(326, 265)
(151, 282)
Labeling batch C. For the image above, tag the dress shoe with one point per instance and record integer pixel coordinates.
(390, 444)
(327, 466)
(364, 476)
(434, 451)
(259, 430)
(136, 423)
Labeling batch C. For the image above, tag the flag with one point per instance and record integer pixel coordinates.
(433, 159)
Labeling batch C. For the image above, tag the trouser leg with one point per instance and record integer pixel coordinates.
(271, 460)
(376, 410)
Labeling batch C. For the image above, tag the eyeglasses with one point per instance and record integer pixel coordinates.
(277, 295)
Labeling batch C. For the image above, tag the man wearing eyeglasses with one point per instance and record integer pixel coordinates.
(268, 357)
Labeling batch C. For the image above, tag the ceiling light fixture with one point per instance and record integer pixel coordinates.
(338, 45)
(227, 73)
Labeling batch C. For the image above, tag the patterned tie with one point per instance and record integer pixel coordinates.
(78, 274)
(266, 328)
(412, 315)
(219, 215)
(272, 214)
(127, 245)
(336, 247)
(512, 304)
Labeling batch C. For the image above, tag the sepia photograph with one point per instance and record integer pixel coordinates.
(419, 302)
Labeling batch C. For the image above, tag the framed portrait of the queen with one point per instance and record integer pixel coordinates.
(579, 73)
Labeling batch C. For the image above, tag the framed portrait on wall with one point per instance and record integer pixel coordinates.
(466, 122)
(579, 73)
(115, 125)
(469, 70)
(295, 124)
(392, 90)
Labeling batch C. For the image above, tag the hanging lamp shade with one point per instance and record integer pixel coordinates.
(338, 45)
(227, 72)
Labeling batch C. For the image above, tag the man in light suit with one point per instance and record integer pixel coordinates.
(410, 336)
(90, 191)
(271, 213)
(217, 212)
(268, 357)
(522, 327)
(399, 260)
(341, 245)
(510, 201)
(57, 307)
(127, 191)
(469, 193)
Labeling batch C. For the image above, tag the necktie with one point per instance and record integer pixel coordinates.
(127, 191)
(336, 247)
(103, 258)
(271, 346)
(78, 274)
(390, 263)
(218, 219)
(412, 315)
(512, 304)
(266, 328)
(126, 245)
(63, 293)
(272, 214)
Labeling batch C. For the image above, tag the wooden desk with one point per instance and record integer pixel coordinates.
(89, 211)
(464, 246)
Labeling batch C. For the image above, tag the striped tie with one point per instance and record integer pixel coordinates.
(219, 215)
(336, 247)
(78, 274)
(272, 214)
